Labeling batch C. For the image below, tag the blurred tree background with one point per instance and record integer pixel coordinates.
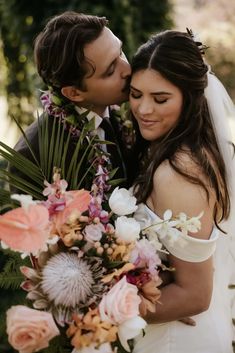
(131, 20)
(214, 22)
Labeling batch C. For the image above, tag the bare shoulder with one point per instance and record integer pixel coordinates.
(172, 190)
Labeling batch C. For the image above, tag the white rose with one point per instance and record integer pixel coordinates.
(127, 229)
(122, 202)
(130, 329)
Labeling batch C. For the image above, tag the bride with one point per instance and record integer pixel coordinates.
(184, 164)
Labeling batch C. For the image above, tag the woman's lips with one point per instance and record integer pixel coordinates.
(147, 123)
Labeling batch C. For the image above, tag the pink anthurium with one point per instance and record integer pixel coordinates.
(25, 230)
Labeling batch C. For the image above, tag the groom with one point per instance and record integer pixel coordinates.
(81, 60)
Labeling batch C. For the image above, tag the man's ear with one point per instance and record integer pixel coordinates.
(72, 93)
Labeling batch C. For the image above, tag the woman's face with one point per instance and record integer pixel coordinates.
(155, 102)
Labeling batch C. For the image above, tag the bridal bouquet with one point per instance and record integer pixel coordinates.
(93, 273)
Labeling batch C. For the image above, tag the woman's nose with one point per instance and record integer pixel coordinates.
(145, 107)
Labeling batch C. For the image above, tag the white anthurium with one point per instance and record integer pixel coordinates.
(130, 329)
(127, 229)
(142, 216)
(122, 202)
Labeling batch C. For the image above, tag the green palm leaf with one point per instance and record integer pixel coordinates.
(53, 152)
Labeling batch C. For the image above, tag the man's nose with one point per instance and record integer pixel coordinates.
(126, 67)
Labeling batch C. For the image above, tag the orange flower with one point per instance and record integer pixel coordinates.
(78, 200)
(150, 295)
(89, 329)
(25, 230)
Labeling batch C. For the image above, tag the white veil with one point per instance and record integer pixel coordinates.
(221, 109)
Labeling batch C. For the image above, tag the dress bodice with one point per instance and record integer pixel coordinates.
(185, 247)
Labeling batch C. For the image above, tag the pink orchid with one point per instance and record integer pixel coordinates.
(145, 256)
(25, 230)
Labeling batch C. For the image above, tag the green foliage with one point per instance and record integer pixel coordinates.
(131, 20)
(10, 292)
(10, 275)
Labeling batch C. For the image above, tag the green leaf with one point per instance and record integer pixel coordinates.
(116, 181)
(20, 162)
(26, 140)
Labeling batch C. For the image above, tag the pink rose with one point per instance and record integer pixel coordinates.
(120, 303)
(29, 330)
(25, 230)
(93, 232)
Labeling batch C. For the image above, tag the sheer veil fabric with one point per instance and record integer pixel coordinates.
(221, 109)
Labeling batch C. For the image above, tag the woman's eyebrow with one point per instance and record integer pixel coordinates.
(153, 93)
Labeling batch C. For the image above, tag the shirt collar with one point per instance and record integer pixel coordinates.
(92, 115)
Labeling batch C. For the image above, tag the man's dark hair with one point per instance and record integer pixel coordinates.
(59, 48)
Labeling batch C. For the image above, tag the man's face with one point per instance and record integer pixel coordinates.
(109, 83)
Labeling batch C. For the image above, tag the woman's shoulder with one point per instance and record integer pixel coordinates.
(172, 190)
(188, 166)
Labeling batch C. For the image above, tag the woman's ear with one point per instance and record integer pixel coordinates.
(72, 93)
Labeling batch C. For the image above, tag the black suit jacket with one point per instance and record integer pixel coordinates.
(118, 151)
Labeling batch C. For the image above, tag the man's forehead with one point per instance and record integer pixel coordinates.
(103, 51)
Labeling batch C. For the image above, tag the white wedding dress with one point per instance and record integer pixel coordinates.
(213, 332)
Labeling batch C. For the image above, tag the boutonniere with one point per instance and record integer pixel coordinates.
(123, 116)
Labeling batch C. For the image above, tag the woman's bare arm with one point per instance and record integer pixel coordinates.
(191, 289)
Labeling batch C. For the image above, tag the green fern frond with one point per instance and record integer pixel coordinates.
(10, 276)
(12, 281)
(59, 344)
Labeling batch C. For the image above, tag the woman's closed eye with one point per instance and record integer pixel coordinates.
(158, 100)
(135, 95)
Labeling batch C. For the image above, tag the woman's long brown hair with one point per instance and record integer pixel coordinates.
(178, 58)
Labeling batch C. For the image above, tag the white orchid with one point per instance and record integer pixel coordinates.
(186, 224)
(127, 229)
(122, 202)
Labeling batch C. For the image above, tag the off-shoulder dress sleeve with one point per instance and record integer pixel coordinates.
(186, 248)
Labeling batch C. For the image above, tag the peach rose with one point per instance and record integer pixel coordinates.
(29, 330)
(126, 300)
(25, 229)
